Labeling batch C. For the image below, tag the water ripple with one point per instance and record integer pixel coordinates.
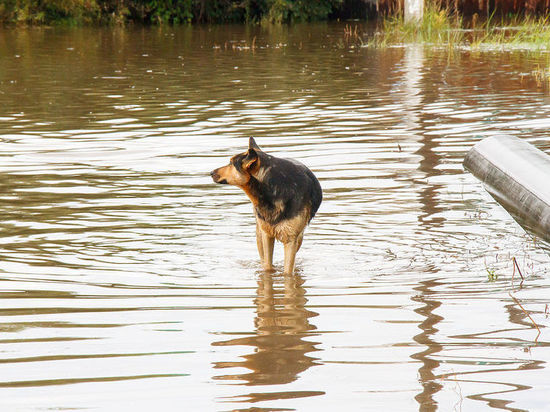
(126, 270)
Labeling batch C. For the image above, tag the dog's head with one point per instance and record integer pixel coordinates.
(240, 168)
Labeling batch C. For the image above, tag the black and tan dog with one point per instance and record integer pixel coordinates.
(285, 195)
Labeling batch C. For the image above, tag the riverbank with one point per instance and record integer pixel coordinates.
(442, 27)
(120, 12)
(175, 12)
(453, 25)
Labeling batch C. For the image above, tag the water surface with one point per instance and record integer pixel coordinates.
(130, 280)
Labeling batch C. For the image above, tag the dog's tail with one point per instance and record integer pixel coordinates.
(316, 194)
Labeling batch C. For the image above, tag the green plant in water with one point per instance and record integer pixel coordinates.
(438, 25)
(441, 26)
(528, 31)
(492, 276)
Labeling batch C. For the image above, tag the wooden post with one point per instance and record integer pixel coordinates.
(414, 10)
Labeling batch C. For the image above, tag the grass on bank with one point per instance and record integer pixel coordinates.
(440, 26)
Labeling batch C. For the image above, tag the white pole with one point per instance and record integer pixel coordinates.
(414, 10)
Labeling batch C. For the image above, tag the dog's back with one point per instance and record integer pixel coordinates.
(293, 184)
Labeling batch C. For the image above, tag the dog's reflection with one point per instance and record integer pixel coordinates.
(281, 326)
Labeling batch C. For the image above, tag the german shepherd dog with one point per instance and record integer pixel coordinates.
(285, 195)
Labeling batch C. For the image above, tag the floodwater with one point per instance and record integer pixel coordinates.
(129, 281)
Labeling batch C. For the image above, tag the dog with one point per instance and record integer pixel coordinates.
(285, 195)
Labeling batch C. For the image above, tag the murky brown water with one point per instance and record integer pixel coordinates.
(129, 281)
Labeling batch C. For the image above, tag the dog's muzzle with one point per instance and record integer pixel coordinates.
(216, 177)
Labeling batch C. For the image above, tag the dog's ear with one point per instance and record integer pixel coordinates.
(253, 145)
(252, 161)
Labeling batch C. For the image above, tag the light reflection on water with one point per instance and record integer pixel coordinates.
(129, 279)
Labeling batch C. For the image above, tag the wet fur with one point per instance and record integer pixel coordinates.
(285, 194)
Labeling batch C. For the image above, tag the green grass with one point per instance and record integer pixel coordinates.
(440, 26)
(437, 26)
(528, 31)
(492, 276)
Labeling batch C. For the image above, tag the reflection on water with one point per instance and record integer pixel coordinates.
(414, 57)
(280, 350)
(426, 372)
(129, 280)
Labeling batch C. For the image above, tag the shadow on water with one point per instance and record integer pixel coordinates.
(427, 288)
(430, 386)
(280, 351)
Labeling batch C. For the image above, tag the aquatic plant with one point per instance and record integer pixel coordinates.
(492, 276)
(443, 26)
(438, 25)
(528, 30)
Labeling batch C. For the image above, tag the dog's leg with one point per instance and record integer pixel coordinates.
(291, 248)
(300, 238)
(265, 247)
(259, 242)
(267, 243)
(290, 255)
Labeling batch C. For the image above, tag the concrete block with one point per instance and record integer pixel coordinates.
(517, 175)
